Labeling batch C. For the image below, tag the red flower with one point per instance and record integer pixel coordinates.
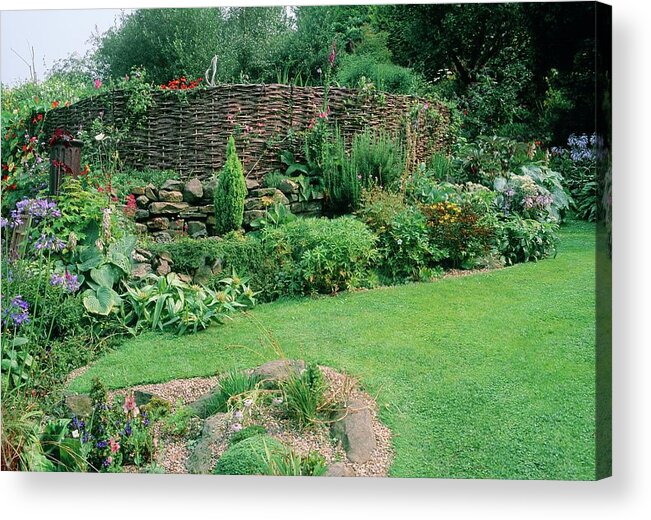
(55, 104)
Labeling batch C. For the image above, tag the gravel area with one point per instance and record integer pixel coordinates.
(172, 454)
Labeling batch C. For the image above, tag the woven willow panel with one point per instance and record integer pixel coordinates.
(189, 133)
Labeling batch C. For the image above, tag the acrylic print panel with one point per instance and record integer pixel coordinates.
(320, 240)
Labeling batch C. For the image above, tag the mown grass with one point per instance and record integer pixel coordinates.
(485, 376)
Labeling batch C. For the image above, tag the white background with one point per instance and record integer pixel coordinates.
(626, 495)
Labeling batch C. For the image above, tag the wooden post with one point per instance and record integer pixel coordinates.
(65, 158)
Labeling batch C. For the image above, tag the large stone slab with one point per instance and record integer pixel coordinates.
(278, 370)
(214, 429)
(354, 428)
(167, 208)
(193, 191)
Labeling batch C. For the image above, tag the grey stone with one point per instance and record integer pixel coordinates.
(262, 192)
(288, 186)
(177, 224)
(253, 204)
(312, 206)
(167, 208)
(216, 267)
(280, 198)
(354, 428)
(209, 189)
(159, 223)
(252, 184)
(203, 407)
(278, 370)
(208, 209)
(162, 237)
(142, 201)
(293, 197)
(193, 191)
(151, 192)
(79, 405)
(170, 196)
(147, 254)
(172, 185)
(138, 190)
(164, 255)
(141, 228)
(138, 258)
(192, 214)
(296, 207)
(250, 216)
(185, 278)
(141, 270)
(339, 469)
(202, 275)
(142, 398)
(214, 430)
(141, 214)
(163, 268)
(197, 229)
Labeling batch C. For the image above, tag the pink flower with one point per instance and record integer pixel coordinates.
(98, 83)
(129, 405)
(426, 106)
(333, 55)
(114, 445)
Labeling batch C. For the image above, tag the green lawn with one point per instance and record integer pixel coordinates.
(483, 376)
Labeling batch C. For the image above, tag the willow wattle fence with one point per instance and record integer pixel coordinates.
(187, 130)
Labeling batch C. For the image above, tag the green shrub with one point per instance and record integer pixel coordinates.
(124, 181)
(166, 304)
(248, 456)
(233, 387)
(377, 159)
(356, 69)
(273, 179)
(523, 240)
(290, 464)
(342, 186)
(304, 395)
(182, 423)
(230, 193)
(321, 255)
(249, 431)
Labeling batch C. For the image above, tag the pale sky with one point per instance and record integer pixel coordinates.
(54, 34)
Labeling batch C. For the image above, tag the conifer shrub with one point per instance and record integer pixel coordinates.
(230, 193)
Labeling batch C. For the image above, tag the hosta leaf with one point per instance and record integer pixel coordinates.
(89, 258)
(101, 301)
(104, 276)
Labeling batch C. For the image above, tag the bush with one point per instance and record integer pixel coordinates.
(321, 255)
(523, 240)
(377, 159)
(230, 193)
(246, 433)
(248, 456)
(304, 395)
(403, 236)
(233, 387)
(357, 69)
(342, 185)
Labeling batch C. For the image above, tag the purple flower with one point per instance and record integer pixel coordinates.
(102, 444)
(50, 243)
(56, 279)
(17, 312)
(127, 429)
(3, 222)
(236, 427)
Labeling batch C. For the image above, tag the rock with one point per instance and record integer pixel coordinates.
(79, 405)
(197, 229)
(339, 469)
(288, 186)
(293, 197)
(172, 185)
(141, 214)
(185, 278)
(312, 206)
(138, 258)
(167, 208)
(192, 214)
(278, 370)
(151, 192)
(142, 398)
(138, 190)
(354, 428)
(142, 201)
(209, 189)
(211, 220)
(193, 191)
(163, 268)
(159, 223)
(202, 275)
(177, 224)
(162, 237)
(208, 209)
(164, 255)
(141, 270)
(253, 204)
(296, 207)
(250, 216)
(216, 267)
(280, 198)
(141, 228)
(147, 254)
(263, 192)
(214, 429)
(203, 407)
(252, 184)
(170, 196)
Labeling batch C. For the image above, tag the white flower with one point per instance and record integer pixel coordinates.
(100, 137)
(277, 400)
(236, 427)
(75, 434)
(238, 415)
(248, 403)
